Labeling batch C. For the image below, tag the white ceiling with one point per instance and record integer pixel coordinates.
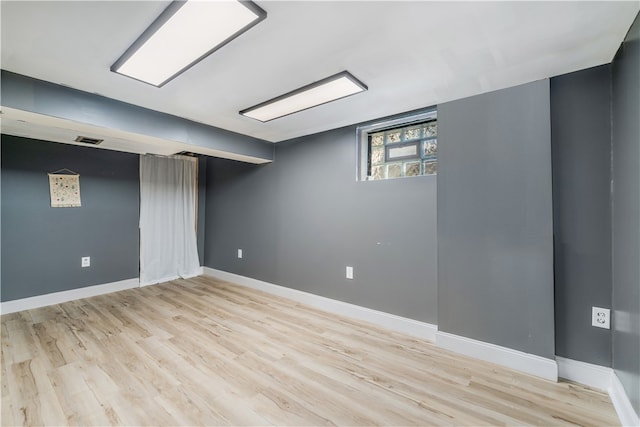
(410, 54)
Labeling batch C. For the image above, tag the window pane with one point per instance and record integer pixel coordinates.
(394, 170)
(431, 129)
(377, 155)
(413, 133)
(377, 139)
(394, 149)
(377, 172)
(412, 169)
(430, 168)
(394, 136)
(404, 151)
(430, 149)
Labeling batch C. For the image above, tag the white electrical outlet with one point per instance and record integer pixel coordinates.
(86, 261)
(239, 253)
(600, 317)
(349, 272)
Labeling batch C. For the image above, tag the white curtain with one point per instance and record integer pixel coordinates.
(168, 247)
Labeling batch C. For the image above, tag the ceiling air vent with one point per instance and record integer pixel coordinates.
(87, 140)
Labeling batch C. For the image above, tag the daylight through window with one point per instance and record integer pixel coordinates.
(400, 148)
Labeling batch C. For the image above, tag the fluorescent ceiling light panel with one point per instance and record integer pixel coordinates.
(326, 90)
(185, 33)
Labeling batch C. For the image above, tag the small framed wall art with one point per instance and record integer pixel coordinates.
(64, 189)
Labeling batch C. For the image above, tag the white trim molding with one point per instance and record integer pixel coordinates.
(621, 403)
(400, 324)
(196, 273)
(601, 378)
(65, 296)
(504, 356)
(595, 376)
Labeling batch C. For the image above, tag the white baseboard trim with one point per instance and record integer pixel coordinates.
(65, 296)
(621, 403)
(528, 363)
(596, 376)
(196, 273)
(158, 281)
(504, 356)
(411, 327)
(601, 378)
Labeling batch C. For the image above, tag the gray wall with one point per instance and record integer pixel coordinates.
(304, 218)
(581, 158)
(241, 214)
(42, 246)
(626, 214)
(495, 253)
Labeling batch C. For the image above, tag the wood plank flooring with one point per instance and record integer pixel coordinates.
(206, 352)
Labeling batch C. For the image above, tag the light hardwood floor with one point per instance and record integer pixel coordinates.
(206, 352)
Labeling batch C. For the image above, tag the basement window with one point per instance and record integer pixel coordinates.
(399, 148)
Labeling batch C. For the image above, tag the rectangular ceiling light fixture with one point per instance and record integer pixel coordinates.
(185, 33)
(326, 90)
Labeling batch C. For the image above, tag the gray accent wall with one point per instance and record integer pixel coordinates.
(301, 220)
(42, 246)
(495, 224)
(581, 158)
(241, 214)
(626, 214)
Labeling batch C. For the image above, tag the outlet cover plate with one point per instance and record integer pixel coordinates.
(601, 317)
(349, 272)
(239, 253)
(86, 261)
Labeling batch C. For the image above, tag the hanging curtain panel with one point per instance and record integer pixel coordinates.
(168, 247)
(64, 190)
